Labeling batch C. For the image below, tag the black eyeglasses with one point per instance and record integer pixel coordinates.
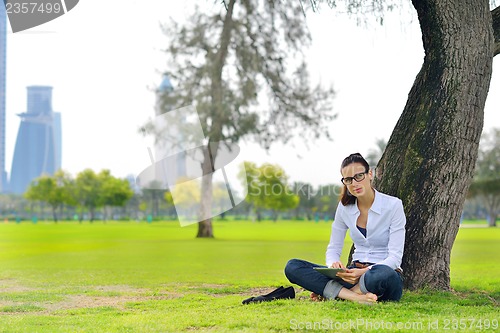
(357, 177)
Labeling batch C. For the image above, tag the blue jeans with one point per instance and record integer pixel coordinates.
(380, 280)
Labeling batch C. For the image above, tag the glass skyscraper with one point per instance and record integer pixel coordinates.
(3, 56)
(38, 144)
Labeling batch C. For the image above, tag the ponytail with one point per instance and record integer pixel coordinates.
(347, 198)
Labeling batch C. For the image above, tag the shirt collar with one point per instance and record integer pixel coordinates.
(376, 205)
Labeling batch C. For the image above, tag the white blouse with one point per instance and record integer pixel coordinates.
(385, 232)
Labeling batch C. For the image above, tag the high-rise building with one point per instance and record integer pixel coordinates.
(3, 56)
(169, 145)
(38, 144)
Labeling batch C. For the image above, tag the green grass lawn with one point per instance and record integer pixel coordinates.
(139, 277)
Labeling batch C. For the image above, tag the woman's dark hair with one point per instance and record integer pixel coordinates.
(345, 197)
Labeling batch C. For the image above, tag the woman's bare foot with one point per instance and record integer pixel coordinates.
(357, 289)
(367, 298)
(350, 295)
(317, 298)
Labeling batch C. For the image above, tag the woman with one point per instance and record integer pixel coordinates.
(376, 224)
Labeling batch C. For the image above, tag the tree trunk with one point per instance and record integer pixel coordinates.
(492, 222)
(491, 201)
(205, 229)
(215, 133)
(430, 158)
(54, 213)
(155, 203)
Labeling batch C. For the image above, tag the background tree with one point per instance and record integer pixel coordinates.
(88, 192)
(249, 175)
(132, 207)
(268, 189)
(275, 193)
(36, 193)
(223, 62)
(255, 196)
(170, 204)
(66, 185)
(53, 190)
(306, 199)
(9, 204)
(154, 197)
(115, 192)
(486, 184)
(327, 200)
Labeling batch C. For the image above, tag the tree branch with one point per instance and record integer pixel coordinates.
(495, 13)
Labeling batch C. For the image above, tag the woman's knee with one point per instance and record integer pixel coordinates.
(382, 272)
(291, 266)
(381, 275)
(382, 279)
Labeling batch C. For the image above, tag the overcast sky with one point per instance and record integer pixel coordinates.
(103, 59)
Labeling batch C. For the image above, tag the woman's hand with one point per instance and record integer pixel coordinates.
(352, 275)
(337, 264)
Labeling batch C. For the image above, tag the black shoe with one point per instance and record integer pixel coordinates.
(279, 293)
(260, 298)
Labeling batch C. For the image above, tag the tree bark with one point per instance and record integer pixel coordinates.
(430, 158)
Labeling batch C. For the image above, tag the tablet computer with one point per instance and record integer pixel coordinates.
(330, 272)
